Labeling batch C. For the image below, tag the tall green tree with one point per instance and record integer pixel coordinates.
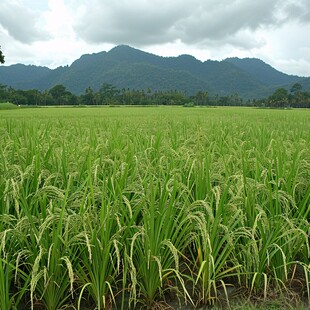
(108, 93)
(58, 91)
(62, 96)
(201, 97)
(279, 98)
(88, 97)
(1, 57)
(295, 97)
(296, 88)
(3, 92)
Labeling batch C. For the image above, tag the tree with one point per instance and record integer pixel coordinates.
(18, 97)
(296, 88)
(3, 92)
(1, 57)
(62, 96)
(201, 98)
(279, 98)
(89, 97)
(108, 93)
(295, 96)
(33, 96)
(58, 91)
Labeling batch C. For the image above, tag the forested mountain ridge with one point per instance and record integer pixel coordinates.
(263, 72)
(127, 67)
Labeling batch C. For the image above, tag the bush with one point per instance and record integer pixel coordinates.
(7, 106)
(189, 105)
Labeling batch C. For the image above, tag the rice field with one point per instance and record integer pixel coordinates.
(153, 207)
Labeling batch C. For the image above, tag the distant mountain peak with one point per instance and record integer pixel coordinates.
(130, 54)
(188, 57)
(125, 49)
(249, 60)
(122, 47)
(261, 71)
(244, 58)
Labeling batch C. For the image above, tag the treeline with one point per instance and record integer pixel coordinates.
(282, 98)
(110, 95)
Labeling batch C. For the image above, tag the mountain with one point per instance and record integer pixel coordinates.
(127, 67)
(263, 72)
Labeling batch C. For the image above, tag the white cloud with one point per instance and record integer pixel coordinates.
(135, 22)
(59, 31)
(20, 22)
(141, 22)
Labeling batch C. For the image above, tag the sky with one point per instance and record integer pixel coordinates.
(54, 33)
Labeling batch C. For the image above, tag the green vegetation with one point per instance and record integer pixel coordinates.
(110, 95)
(1, 57)
(125, 67)
(153, 206)
(126, 76)
(7, 106)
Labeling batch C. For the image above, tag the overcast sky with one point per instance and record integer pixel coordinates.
(56, 32)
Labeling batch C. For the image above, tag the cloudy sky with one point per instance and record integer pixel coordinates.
(56, 32)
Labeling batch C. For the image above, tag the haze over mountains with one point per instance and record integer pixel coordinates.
(127, 67)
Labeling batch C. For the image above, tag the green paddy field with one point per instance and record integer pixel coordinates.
(154, 207)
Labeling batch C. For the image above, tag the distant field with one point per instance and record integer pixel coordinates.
(153, 207)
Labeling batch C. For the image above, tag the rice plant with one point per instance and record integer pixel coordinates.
(163, 234)
(152, 207)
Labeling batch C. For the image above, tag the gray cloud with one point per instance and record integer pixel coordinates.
(226, 22)
(273, 30)
(300, 11)
(135, 22)
(198, 22)
(20, 23)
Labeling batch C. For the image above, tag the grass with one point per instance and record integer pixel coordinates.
(149, 207)
(7, 106)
